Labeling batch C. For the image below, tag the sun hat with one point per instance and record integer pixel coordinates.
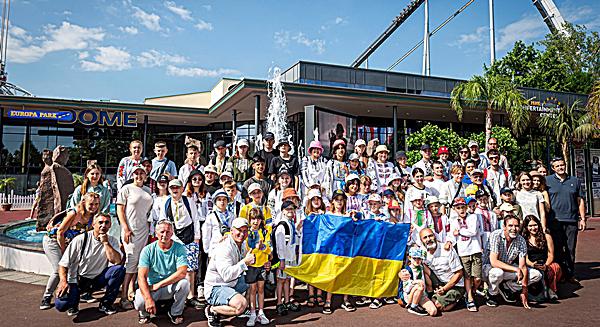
(338, 142)
(220, 193)
(351, 177)
(360, 142)
(507, 207)
(242, 142)
(374, 197)
(315, 145)
(253, 187)
(381, 148)
(289, 192)
(353, 156)
(431, 199)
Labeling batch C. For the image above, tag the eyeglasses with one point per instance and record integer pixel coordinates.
(463, 151)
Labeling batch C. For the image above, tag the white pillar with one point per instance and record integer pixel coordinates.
(426, 69)
(492, 37)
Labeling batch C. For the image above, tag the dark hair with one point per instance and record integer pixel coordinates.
(189, 188)
(417, 170)
(518, 185)
(437, 162)
(543, 186)
(257, 213)
(509, 217)
(540, 237)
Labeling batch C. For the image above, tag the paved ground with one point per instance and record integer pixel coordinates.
(578, 306)
(13, 215)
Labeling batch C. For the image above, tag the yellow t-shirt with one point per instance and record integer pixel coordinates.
(262, 254)
(266, 211)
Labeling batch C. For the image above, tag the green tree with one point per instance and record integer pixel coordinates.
(492, 93)
(567, 124)
(593, 105)
(435, 137)
(517, 155)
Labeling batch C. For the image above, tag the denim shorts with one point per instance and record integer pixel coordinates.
(221, 295)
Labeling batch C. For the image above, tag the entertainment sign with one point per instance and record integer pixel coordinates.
(548, 107)
(86, 117)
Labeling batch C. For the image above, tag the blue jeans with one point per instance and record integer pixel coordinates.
(111, 278)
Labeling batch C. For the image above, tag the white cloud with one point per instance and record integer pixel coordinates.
(67, 13)
(527, 29)
(108, 59)
(282, 38)
(204, 26)
(129, 30)
(199, 72)
(24, 48)
(153, 58)
(180, 11)
(149, 20)
(476, 37)
(83, 54)
(317, 45)
(339, 20)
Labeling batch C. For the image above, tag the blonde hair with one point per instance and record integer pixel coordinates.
(85, 199)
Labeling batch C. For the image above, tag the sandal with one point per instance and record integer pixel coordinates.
(142, 320)
(311, 301)
(281, 309)
(471, 306)
(320, 300)
(294, 307)
(327, 308)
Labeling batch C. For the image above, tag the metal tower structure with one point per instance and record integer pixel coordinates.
(550, 15)
(7, 88)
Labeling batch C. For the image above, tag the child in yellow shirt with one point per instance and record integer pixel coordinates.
(256, 194)
(258, 243)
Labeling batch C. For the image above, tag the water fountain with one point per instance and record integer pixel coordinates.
(277, 111)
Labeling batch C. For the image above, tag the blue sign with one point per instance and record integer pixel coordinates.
(86, 117)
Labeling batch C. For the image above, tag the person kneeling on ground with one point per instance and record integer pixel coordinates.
(90, 256)
(413, 285)
(444, 270)
(224, 282)
(506, 248)
(161, 275)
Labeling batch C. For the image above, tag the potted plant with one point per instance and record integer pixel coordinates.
(5, 184)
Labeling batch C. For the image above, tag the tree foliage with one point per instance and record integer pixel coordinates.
(435, 137)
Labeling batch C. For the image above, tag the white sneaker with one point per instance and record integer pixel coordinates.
(262, 319)
(252, 320)
(200, 292)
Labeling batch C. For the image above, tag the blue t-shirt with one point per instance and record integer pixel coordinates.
(564, 198)
(157, 168)
(162, 264)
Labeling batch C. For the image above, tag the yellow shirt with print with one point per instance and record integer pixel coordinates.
(262, 253)
(266, 211)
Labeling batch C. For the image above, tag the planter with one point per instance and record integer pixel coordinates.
(6, 206)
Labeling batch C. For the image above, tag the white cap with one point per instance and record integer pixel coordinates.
(414, 196)
(354, 156)
(239, 222)
(394, 177)
(242, 142)
(313, 193)
(351, 177)
(472, 143)
(359, 142)
(226, 173)
(431, 199)
(253, 187)
(374, 197)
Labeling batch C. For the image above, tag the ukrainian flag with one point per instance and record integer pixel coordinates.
(344, 256)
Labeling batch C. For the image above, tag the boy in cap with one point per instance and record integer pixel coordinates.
(466, 233)
(286, 241)
(256, 194)
(443, 155)
(418, 217)
(217, 223)
(220, 160)
(425, 163)
(487, 218)
(507, 197)
(413, 284)
(375, 211)
(441, 222)
(212, 179)
(268, 152)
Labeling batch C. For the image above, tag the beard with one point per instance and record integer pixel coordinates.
(432, 245)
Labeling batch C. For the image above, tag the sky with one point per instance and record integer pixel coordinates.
(129, 50)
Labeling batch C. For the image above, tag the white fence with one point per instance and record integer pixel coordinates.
(18, 201)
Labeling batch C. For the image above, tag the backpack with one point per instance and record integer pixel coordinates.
(186, 234)
(275, 259)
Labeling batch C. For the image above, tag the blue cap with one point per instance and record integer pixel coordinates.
(468, 199)
(416, 252)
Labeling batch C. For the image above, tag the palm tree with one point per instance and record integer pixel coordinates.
(493, 93)
(593, 105)
(567, 124)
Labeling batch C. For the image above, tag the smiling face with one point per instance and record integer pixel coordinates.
(525, 182)
(419, 177)
(176, 192)
(511, 227)
(92, 205)
(559, 167)
(428, 238)
(463, 154)
(315, 153)
(197, 180)
(533, 227)
(139, 177)
(94, 176)
(136, 149)
(284, 181)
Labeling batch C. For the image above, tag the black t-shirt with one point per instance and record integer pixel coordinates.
(213, 187)
(291, 165)
(268, 156)
(265, 184)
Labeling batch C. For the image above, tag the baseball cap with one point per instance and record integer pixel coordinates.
(473, 143)
(400, 154)
(253, 187)
(239, 222)
(425, 147)
(471, 189)
(351, 177)
(175, 182)
(431, 199)
(219, 193)
(416, 253)
(469, 199)
(210, 169)
(313, 193)
(480, 193)
(242, 142)
(394, 177)
(388, 192)
(226, 173)
(288, 204)
(374, 198)
(269, 136)
(162, 179)
(459, 202)
(219, 143)
(283, 172)
(339, 193)
(258, 158)
(338, 142)
(360, 142)
(138, 167)
(146, 159)
(353, 156)
(506, 190)
(443, 149)
(477, 171)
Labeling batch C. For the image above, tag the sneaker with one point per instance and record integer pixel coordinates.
(72, 312)
(46, 303)
(480, 292)
(551, 295)
(327, 308)
(246, 314)
(507, 294)
(87, 298)
(361, 301)
(107, 308)
(262, 319)
(126, 304)
(252, 320)
(417, 310)
(212, 318)
(491, 300)
(194, 303)
(176, 320)
(281, 309)
(348, 306)
(376, 304)
(390, 300)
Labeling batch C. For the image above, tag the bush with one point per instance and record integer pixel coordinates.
(435, 137)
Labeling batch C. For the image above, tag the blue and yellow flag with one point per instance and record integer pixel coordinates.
(343, 256)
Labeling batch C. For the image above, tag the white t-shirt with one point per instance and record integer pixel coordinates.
(529, 202)
(436, 186)
(138, 204)
(444, 264)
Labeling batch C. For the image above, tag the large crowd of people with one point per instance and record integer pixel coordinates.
(220, 236)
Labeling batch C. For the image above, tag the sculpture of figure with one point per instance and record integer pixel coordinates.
(56, 185)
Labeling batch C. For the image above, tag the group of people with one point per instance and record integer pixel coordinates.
(217, 236)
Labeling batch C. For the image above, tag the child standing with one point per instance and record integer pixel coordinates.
(413, 285)
(256, 194)
(441, 223)
(259, 243)
(286, 241)
(418, 218)
(466, 231)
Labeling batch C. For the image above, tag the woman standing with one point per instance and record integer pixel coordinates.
(93, 182)
(61, 230)
(134, 204)
(539, 184)
(124, 172)
(540, 253)
(418, 188)
(336, 170)
(530, 200)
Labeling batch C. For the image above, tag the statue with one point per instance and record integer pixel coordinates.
(56, 185)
